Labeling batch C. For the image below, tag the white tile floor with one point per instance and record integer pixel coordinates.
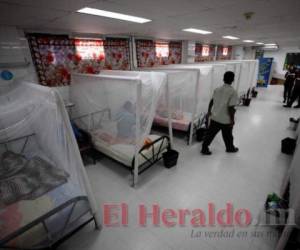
(244, 179)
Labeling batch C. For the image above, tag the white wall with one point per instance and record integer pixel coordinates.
(14, 49)
(279, 58)
(249, 53)
(238, 53)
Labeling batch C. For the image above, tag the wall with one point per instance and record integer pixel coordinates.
(238, 53)
(279, 58)
(14, 49)
(249, 53)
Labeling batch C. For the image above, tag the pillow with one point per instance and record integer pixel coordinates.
(147, 142)
(10, 164)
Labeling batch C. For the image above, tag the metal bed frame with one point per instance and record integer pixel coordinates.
(196, 125)
(69, 228)
(150, 161)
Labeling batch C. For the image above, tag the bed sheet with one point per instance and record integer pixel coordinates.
(121, 152)
(178, 124)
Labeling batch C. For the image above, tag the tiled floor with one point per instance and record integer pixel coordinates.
(244, 179)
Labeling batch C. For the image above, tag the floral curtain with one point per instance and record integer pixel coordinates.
(224, 52)
(151, 53)
(117, 54)
(204, 53)
(56, 56)
(53, 57)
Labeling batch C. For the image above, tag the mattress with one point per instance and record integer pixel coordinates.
(18, 215)
(125, 153)
(182, 124)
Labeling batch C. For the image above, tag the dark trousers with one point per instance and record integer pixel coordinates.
(287, 92)
(295, 96)
(214, 129)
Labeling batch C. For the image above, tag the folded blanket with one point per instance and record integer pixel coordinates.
(22, 179)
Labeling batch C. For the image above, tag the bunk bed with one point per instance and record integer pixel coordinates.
(45, 196)
(118, 112)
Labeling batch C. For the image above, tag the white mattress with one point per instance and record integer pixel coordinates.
(124, 153)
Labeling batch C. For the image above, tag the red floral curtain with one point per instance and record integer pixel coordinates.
(204, 53)
(117, 55)
(151, 53)
(55, 57)
(224, 52)
(175, 52)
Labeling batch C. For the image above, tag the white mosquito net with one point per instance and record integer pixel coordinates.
(181, 89)
(38, 153)
(294, 174)
(205, 83)
(116, 107)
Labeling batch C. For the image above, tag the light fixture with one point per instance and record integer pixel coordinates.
(259, 43)
(115, 15)
(203, 32)
(248, 41)
(271, 46)
(231, 37)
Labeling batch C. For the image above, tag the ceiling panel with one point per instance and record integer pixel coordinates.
(273, 20)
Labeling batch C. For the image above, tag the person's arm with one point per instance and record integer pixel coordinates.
(232, 111)
(231, 107)
(211, 103)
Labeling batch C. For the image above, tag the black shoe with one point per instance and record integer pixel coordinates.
(233, 150)
(287, 106)
(205, 151)
(297, 107)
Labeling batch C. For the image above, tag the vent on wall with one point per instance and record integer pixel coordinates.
(270, 47)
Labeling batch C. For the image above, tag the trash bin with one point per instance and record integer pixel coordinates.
(288, 146)
(170, 158)
(246, 101)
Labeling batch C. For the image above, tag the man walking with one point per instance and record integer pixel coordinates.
(222, 111)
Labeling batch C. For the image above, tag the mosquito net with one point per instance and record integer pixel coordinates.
(294, 174)
(41, 167)
(205, 83)
(117, 109)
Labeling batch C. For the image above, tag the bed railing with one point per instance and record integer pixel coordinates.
(54, 240)
(94, 119)
(155, 155)
(24, 138)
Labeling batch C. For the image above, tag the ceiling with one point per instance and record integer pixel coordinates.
(274, 21)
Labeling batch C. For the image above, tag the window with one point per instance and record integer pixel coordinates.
(89, 49)
(225, 51)
(162, 50)
(205, 50)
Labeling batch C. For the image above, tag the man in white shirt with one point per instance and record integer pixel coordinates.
(222, 110)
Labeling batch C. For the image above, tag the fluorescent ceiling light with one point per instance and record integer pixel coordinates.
(259, 43)
(270, 44)
(248, 41)
(104, 13)
(231, 37)
(203, 32)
